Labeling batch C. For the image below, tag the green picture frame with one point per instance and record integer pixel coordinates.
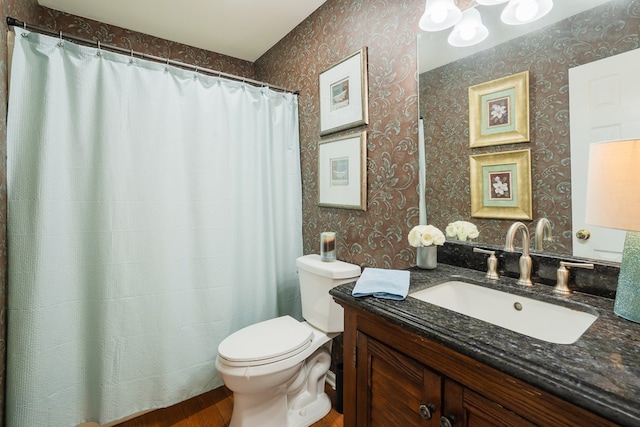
(499, 111)
(500, 185)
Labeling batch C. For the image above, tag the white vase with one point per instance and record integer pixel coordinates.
(427, 257)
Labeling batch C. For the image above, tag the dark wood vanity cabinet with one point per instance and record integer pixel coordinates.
(393, 377)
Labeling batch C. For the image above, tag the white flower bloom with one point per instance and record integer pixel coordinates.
(425, 235)
(462, 230)
(500, 187)
(497, 111)
(414, 237)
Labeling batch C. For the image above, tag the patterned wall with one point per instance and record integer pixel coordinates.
(376, 237)
(547, 54)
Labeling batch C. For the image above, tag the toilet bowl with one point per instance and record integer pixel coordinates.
(276, 368)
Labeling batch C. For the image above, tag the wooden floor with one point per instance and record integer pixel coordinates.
(212, 409)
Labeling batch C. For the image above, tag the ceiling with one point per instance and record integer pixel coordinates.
(243, 29)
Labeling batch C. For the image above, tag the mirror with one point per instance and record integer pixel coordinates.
(574, 33)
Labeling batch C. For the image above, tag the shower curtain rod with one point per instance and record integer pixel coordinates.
(16, 23)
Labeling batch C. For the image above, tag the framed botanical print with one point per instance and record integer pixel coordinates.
(499, 111)
(342, 172)
(501, 185)
(343, 92)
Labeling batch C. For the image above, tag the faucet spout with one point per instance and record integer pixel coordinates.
(543, 233)
(525, 259)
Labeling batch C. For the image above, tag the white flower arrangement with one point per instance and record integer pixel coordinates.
(426, 235)
(462, 230)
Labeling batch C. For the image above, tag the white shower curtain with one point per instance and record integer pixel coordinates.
(152, 212)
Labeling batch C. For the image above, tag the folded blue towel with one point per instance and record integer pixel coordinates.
(381, 283)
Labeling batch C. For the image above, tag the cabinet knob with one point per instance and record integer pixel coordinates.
(583, 234)
(446, 421)
(426, 411)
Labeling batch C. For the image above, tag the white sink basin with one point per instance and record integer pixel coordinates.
(537, 319)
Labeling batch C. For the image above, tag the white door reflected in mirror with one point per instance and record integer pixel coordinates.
(604, 97)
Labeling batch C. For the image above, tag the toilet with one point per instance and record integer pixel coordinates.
(276, 369)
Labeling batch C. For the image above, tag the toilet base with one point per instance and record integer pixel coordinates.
(311, 413)
(298, 402)
(247, 412)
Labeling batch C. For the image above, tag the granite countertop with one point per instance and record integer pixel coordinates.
(599, 372)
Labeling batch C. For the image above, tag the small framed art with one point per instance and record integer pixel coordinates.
(342, 172)
(501, 185)
(499, 111)
(343, 92)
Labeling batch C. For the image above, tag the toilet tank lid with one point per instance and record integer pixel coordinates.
(333, 270)
(266, 342)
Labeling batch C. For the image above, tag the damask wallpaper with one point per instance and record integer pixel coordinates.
(547, 54)
(389, 28)
(376, 237)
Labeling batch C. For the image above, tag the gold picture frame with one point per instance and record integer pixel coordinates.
(342, 172)
(343, 92)
(501, 185)
(499, 111)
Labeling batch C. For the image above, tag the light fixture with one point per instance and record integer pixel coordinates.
(518, 12)
(613, 200)
(439, 15)
(469, 31)
(490, 2)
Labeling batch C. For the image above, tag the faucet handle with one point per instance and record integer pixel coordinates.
(492, 263)
(563, 276)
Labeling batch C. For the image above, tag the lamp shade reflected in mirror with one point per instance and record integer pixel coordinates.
(613, 200)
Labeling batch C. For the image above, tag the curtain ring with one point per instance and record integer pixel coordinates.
(99, 53)
(60, 43)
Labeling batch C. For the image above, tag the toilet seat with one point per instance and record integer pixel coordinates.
(266, 342)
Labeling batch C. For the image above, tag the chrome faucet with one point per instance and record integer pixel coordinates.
(543, 234)
(563, 276)
(492, 263)
(525, 259)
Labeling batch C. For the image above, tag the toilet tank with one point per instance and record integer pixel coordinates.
(316, 280)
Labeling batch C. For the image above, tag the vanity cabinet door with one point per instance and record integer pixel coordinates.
(399, 390)
(465, 408)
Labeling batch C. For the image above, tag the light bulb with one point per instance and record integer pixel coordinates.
(467, 31)
(526, 10)
(438, 15)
